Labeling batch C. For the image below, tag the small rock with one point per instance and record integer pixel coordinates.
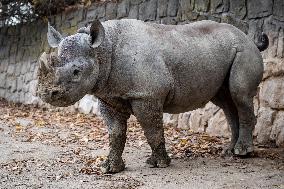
(188, 153)
(86, 104)
(24, 122)
(63, 135)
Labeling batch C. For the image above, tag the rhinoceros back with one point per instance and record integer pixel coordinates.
(186, 64)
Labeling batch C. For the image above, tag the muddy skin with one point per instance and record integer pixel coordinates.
(117, 126)
(146, 69)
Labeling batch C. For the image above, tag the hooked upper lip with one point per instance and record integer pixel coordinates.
(56, 97)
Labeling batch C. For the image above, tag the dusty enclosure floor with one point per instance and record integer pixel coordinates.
(50, 149)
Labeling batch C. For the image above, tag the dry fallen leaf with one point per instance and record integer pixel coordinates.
(19, 128)
(40, 123)
(58, 127)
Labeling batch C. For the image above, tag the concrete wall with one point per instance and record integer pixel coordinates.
(21, 46)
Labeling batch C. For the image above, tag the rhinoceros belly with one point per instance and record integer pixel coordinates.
(198, 75)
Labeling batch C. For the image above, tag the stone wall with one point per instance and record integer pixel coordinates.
(21, 45)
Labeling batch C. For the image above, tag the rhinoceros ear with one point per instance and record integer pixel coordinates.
(53, 36)
(97, 33)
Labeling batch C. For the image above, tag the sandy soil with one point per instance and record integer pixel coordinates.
(50, 148)
(36, 164)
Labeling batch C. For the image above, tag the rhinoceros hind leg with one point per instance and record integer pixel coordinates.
(247, 122)
(150, 115)
(245, 76)
(224, 100)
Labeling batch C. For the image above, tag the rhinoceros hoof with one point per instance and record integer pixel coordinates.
(228, 151)
(242, 148)
(112, 166)
(158, 162)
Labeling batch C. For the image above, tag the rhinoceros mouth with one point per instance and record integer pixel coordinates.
(57, 97)
(58, 101)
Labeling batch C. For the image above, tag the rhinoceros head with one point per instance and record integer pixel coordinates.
(66, 76)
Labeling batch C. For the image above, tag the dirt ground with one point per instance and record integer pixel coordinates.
(48, 149)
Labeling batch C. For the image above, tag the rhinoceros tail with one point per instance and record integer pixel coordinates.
(262, 42)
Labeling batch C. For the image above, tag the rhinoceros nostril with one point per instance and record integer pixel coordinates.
(54, 93)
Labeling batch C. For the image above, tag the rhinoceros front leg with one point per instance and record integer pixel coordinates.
(117, 126)
(150, 115)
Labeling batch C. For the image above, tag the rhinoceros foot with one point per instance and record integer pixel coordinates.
(243, 148)
(160, 162)
(228, 151)
(111, 166)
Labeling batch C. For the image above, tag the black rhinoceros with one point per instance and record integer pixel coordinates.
(146, 69)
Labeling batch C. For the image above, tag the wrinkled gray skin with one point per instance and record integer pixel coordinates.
(146, 69)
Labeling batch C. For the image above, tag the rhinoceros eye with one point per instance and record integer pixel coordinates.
(76, 72)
